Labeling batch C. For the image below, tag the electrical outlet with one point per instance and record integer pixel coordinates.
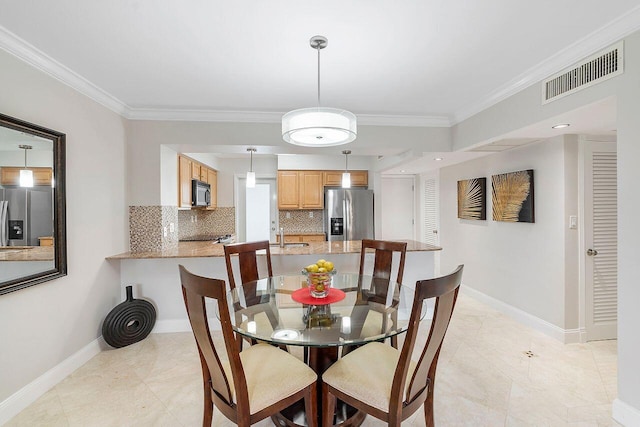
(288, 215)
(172, 227)
(164, 229)
(192, 218)
(310, 214)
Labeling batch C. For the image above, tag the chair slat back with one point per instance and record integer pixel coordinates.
(383, 258)
(445, 290)
(247, 260)
(195, 289)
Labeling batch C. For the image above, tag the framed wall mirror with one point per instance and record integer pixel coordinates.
(33, 246)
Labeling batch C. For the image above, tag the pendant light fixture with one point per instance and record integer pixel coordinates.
(251, 175)
(26, 175)
(346, 176)
(319, 126)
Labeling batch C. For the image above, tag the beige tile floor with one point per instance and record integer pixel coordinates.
(484, 379)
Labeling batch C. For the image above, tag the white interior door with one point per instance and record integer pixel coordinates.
(258, 221)
(397, 208)
(256, 210)
(601, 240)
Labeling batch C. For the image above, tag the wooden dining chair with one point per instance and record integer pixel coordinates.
(247, 260)
(382, 267)
(251, 385)
(383, 381)
(246, 254)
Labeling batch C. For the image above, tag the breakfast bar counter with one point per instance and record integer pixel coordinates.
(213, 249)
(154, 275)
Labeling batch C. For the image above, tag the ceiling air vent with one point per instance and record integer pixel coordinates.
(594, 69)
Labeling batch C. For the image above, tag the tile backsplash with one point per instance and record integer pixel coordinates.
(147, 225)
(301, 221)
(201, 223)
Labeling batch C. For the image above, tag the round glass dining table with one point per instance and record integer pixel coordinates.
(360, 309)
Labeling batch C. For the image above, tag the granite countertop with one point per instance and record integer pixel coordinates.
(26, 253)
(209, 249)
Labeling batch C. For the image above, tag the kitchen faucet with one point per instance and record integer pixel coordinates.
(282, 237)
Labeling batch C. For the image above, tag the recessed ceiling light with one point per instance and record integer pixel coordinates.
(560, 126)
(402, 171)
(437, 159)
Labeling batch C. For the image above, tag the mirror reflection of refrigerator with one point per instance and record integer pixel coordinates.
(348, 214)
(26, 214)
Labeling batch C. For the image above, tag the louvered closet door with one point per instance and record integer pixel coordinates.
(601, 241)
(430, 225)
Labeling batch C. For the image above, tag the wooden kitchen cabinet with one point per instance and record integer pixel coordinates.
(189, 169)
(212, 180)
(288, 190)
(195, 171)
(300, 238)
(300, 190)
(184, 182)
(359, 178)
(311, 190)
(10, 175)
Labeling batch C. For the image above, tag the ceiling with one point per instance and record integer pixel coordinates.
(415, 62)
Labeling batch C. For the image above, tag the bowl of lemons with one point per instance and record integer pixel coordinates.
(319, 277)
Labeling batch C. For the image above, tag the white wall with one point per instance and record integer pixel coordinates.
(43, 325)
(629, 231)
(521, 264)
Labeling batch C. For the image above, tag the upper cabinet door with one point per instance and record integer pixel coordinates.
(288, 190)
(212, 179)
(358, 178)
(184, 182)
(195, 170)
(311, 190)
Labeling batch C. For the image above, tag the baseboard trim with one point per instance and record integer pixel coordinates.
(625, 414)
(566, 336)
(28, 394)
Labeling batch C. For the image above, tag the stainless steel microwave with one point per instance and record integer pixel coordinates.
(200, 193)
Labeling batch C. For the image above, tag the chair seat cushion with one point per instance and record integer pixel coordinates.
(272, 374)
(367, 374)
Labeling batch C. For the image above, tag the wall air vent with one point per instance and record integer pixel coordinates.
(594, 69)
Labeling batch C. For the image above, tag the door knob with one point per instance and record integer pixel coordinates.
(592, 252)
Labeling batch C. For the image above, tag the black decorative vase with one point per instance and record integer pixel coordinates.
(129, 322)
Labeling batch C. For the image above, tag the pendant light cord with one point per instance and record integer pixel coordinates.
(318, 49)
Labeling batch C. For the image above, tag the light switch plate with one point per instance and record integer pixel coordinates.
(164, 230)
(573, 222)
(310, 214)
(288, 214)
(172, 227)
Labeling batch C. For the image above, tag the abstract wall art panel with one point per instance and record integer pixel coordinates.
(512, 196)
(472, 199)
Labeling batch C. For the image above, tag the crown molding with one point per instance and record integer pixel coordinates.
(41, 61)
(588, 45)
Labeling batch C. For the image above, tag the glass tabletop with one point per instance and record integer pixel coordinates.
(372, 309)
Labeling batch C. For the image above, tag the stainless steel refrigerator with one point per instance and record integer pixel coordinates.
(348, 214)
(26, 214)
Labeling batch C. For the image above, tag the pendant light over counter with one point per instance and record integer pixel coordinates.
(319, 126)
(346, 176)
(26, 175)
(251, 175)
